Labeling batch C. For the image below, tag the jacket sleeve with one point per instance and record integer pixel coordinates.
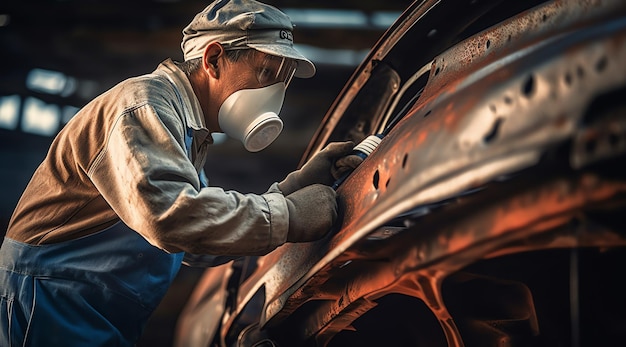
(145, 176)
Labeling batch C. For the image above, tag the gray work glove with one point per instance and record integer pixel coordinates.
(318, 169)
(312, 213)
(345, 165)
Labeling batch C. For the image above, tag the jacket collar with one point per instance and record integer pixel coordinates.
(194, 117)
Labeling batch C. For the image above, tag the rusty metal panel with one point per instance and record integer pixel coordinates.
(468, 129)
(496, 157)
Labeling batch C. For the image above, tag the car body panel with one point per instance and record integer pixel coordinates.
(489, 159)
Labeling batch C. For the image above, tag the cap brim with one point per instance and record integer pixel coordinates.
(305, 68)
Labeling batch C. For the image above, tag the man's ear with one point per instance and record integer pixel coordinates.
(212, 53)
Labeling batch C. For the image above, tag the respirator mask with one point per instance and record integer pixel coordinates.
(251, 115)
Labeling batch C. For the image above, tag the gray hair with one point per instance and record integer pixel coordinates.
(195, 64)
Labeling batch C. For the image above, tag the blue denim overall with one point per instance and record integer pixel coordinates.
(98, 290)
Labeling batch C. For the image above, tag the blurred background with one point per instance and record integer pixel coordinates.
(56, 55)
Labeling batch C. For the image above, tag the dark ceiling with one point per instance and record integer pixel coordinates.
(92, 39)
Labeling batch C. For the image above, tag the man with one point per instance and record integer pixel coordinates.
(120, 199)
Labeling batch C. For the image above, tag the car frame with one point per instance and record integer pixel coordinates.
(490, 213)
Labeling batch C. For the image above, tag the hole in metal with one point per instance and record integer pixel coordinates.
(568, 79)
(529, 86)
(376, 179)
(493, 133)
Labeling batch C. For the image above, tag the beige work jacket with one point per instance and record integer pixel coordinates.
(122, 157)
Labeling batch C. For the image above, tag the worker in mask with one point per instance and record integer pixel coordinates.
(121, 200)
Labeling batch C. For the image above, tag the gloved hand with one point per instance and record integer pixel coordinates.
(316, 170)
(312, 213)
(345, 165)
